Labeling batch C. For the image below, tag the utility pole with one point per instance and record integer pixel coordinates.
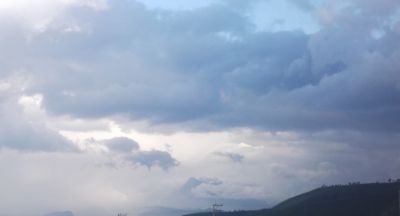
(399, 201)
(215, 209)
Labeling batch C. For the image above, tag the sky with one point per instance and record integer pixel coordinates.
(111, 106)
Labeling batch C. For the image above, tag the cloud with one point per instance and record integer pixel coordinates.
(212, 188)
(122, 144)
(153, 158)
(180, 100)
(234, 157)
(192, 183)
(183, 68)
(130, 151)
(20, 129)
(381, 8)
(303, 4)
(275, 81)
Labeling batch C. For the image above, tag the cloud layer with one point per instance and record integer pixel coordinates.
(209, 66)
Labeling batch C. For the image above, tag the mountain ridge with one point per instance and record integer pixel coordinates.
(355, 199)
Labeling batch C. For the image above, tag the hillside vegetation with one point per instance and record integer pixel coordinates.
(377, 199)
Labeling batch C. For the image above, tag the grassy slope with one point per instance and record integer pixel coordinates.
(378, 199)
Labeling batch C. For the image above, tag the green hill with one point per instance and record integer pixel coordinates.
(378, 199)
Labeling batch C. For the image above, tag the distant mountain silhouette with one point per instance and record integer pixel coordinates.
(377, 199)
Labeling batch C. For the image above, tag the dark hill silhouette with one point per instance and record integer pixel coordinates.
(377, 199)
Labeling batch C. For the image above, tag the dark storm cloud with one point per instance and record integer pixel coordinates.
(176, 70)
(209, 65)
